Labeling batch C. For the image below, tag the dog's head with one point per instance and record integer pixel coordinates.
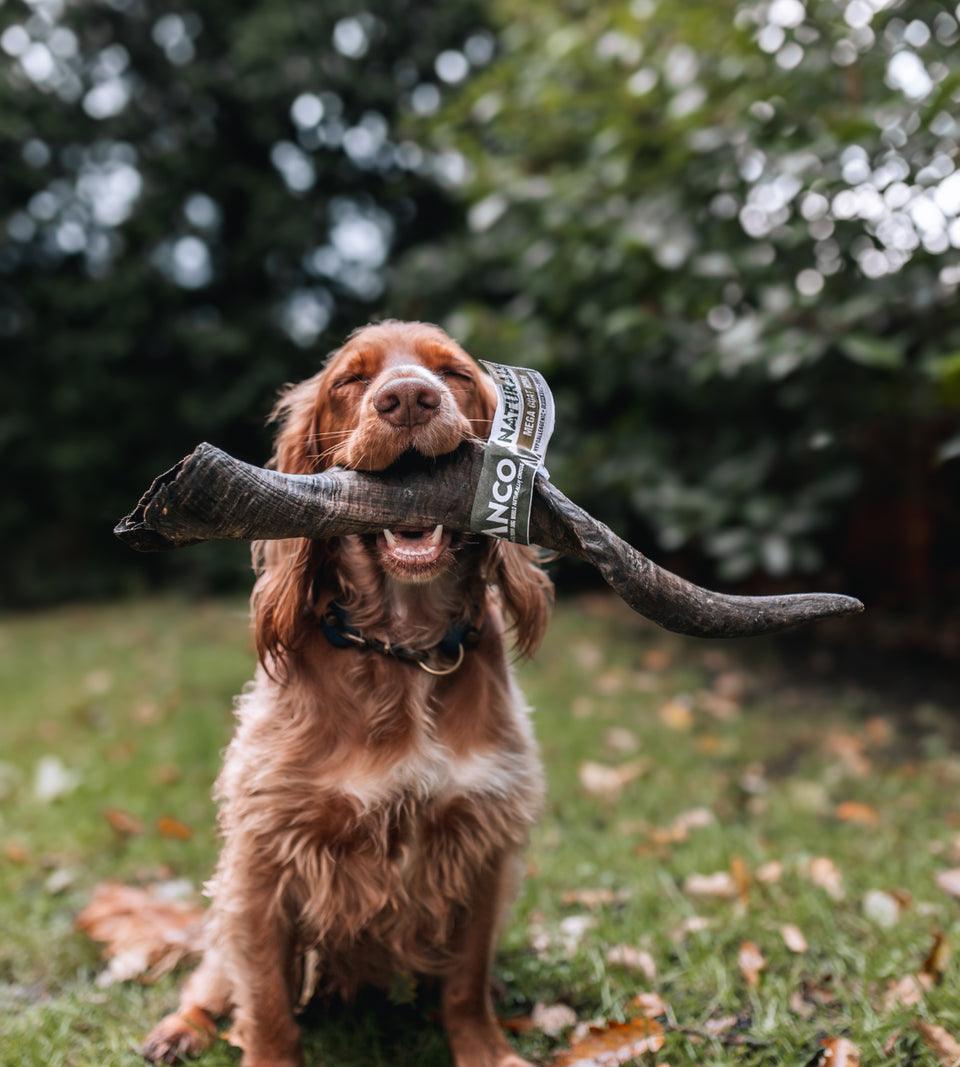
(394, 389)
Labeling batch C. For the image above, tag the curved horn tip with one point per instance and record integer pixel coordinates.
(844, 605)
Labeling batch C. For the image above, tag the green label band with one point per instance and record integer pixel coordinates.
(513, 453)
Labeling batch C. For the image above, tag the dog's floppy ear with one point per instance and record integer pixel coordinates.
(525, 590)
(286, 569)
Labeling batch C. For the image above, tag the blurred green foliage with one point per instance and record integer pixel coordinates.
(728, 234)
(197, 204)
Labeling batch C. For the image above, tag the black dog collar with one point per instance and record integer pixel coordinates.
(338, 630)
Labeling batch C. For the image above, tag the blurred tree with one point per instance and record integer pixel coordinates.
(728, 233)
(197, 202)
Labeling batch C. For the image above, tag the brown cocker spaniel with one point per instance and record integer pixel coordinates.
(375, 798)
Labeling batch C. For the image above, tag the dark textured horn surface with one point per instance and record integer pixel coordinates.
(209, 495)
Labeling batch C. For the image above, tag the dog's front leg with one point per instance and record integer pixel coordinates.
(258, 943)
(476, 1039)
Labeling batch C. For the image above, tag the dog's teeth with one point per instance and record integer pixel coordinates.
(434, 538)
(390, 538)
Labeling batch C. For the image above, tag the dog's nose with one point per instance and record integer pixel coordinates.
(407, 401)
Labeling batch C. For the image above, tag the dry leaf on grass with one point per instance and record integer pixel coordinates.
(564, 938)
(694, 819)
(633, 959)
(811, 997)
(718, 1027)
(741, 878)
(881, 908)
(848, 749)
(949, 881)
(823, 872)
(596, 898)
(857, 812)
(620, 739)
(16, 852)
(676, 714)
(656, 659)
(145, 936)
(169, 827)
(693, 924)
(123, 823)
(51, 779)
(838, 1052)
(719, 884)
(941, 1042)
(906, 992)
(769, 873)
(552, 1019)
(751, 962)
(59, 879)
(649, 1005)
(605, 781)
(793, 938)
(938, 957)
(617, 1043)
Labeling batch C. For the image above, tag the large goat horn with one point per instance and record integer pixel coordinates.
(209, 495)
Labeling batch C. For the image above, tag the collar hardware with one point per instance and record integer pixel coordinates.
(341, 633)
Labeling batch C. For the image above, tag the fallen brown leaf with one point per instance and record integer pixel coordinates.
(611, 682)
(751, 962)
(906, 992)
(935, 965)
(839, 1052)
(633, 959)
(552, 1019)
(793, 938)
(949, 881)
(595, 898)
(891, 1043)
(650, 1005)
(517, 1024)
(694, 819)
(718, 1027)
(719, 707)
(848, 749)
(719, 884)
(620, 739)
(618, 1043)
(588, 656)
(941, 1042)
(676, 714)
(123, 823)
(602, 780)
(693, 924)
(769, 873)
(166, 774)
(656, 659)
(857, 812)
(169, 827)
(16, 852)
(741, 878)
(823, 872)
(881, 907)
(145, 936)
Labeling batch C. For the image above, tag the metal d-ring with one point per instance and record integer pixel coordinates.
(443, 670)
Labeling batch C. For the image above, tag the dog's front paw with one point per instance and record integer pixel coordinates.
(179, 1036)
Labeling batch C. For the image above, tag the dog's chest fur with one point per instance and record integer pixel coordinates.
(375, 845)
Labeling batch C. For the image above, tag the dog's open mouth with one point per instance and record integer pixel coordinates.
(415, 553)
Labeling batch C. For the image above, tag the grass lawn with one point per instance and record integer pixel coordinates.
(134, 701)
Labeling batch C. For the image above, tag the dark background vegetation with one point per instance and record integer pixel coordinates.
(727, 232)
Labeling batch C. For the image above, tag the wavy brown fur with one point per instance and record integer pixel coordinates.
(370, 811)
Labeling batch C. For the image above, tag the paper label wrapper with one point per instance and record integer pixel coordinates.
(514, 452)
